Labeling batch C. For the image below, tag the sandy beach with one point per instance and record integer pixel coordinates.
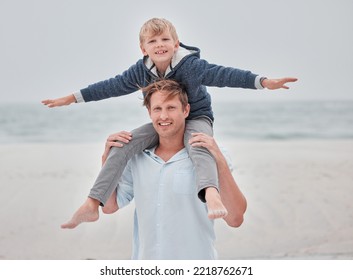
(299, 202)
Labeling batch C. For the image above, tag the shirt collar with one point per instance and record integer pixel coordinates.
(182, 154)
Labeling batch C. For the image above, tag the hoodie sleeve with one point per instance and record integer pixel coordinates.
(220, 76)
(128, 82)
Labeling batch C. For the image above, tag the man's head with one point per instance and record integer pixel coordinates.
(168, 107)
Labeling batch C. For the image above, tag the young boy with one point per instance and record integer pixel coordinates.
(164, 58)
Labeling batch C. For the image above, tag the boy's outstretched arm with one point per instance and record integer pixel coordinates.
(63, 101)
(277, 83)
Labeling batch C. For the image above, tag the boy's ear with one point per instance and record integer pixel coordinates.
(143, 50)
(177, 44)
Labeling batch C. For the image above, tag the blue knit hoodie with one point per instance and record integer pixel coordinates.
(186, 68)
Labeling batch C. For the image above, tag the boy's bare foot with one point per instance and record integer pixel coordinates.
(216, 209)
(111, 206)
(88, 212)
(110, 209)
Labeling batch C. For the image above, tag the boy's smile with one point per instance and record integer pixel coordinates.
(160, 49)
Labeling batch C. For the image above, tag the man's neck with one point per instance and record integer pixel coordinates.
(167, 149)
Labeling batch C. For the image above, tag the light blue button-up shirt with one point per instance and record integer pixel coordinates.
(170, 222)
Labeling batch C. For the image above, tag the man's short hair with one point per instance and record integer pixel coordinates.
(157, 26)
(169, 87)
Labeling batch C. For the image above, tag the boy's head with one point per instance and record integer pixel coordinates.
(157, 26)
(159, 41)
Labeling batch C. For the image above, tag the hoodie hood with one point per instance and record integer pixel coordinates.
(179, 57)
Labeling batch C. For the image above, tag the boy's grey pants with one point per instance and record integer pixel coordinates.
(146, 137)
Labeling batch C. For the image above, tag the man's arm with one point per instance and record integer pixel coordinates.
(123, 137)
(231, 196)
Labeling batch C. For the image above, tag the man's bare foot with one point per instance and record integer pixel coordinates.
(88, 212)
(216, 209)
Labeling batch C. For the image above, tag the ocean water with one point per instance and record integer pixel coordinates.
(93, 122)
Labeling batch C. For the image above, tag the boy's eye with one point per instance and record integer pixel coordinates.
(151, 41)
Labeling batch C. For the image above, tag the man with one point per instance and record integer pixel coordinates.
(170, 222)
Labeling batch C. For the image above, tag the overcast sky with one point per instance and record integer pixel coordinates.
(51, 48)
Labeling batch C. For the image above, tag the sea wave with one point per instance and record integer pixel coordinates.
(93, 122)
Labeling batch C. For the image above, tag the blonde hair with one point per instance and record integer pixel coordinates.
(157, 26)
(169, 87)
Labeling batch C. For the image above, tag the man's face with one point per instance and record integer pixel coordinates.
(160, 48)
(168, 116)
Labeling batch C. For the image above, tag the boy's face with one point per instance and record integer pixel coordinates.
(160, 48)
(168, 115)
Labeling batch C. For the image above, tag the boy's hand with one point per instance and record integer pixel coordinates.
(116, 140)
(277, 83)
(63, 101)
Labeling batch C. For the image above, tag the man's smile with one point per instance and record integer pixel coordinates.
(165, 123)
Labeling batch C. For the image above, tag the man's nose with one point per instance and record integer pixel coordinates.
(164, 115)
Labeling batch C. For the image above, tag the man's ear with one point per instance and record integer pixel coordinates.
(187, 110)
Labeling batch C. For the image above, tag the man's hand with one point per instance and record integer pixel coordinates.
(116, 140)
(277, 83)
(206, 141)
(63, 101)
